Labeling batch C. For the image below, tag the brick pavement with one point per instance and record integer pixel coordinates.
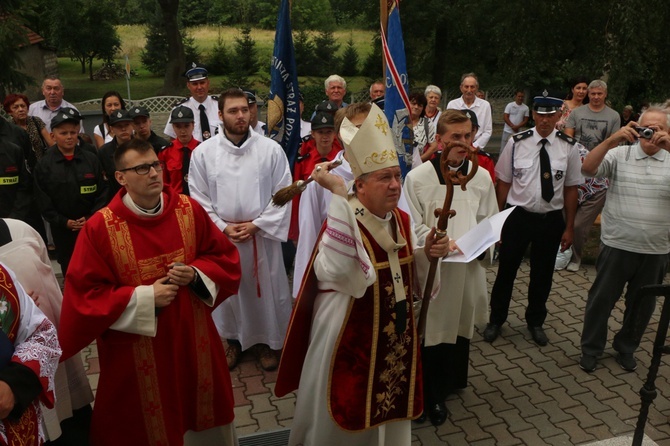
(519, 393)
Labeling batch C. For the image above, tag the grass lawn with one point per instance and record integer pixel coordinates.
(80, 88)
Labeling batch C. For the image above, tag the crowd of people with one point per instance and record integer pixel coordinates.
(176, 260)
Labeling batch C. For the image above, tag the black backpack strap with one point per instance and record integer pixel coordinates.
(5, 236)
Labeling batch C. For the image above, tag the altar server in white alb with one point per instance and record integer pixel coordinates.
(463, 298)
(233, 176)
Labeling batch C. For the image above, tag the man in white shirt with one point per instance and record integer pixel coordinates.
(53, 91)
(538, 173)
(205, 107)
(469, 86)
(634, 234)
(516, 116)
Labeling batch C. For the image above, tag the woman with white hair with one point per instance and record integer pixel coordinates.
(433, 97)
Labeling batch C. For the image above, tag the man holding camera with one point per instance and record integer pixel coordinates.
(635, 232)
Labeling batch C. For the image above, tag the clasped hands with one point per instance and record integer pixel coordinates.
(165, 288)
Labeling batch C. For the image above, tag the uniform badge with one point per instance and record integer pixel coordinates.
(546, 175)
(559, 175)
(359, 211)
(206, 134)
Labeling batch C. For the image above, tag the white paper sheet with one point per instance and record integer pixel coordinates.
(478, 239)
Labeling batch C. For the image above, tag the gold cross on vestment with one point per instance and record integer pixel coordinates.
(381, 124)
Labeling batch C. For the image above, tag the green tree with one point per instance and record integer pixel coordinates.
(260, 13)
(155, 55)
(327, 62)
(245, 54)
(244, 60)
(79, 21)
(12, 36)
(218, 61)
(354, 13)
(372, 67)
(312, 14)
(135, 12)
(350, 59)
(176, 53)
(304, 53)
(195, 13)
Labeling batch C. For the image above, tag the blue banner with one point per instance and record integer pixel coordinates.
(396, 101)
(284, 105)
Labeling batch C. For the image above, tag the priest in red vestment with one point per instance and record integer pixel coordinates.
(352, 349)
(146, 273)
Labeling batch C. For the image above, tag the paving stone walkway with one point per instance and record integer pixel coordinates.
(519, 393)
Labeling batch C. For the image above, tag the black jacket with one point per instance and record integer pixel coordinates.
(69, 189)
(16, 185)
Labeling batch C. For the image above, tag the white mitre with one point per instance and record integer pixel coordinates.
(370, 147)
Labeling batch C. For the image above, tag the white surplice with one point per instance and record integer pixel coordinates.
(235, 185)
(28, 258)
(463, 298)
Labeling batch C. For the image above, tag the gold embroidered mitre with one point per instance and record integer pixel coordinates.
(370, 147)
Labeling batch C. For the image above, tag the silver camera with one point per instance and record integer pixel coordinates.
(645, 132)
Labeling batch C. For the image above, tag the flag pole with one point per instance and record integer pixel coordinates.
(384, 19)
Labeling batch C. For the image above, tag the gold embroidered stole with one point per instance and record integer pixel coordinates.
(385, 241)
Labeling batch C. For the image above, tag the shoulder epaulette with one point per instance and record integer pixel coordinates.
(170, 144)
(566, 138)
(523, 135)
(216, 98)
(306, 138)
(182, 101)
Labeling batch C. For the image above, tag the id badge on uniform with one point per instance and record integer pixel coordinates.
(88, 189)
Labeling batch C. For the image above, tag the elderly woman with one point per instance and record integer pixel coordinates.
(424, 133)
(16, 105)
(111, 101)
(433, 96)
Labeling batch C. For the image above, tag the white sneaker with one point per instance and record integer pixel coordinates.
(573, 267)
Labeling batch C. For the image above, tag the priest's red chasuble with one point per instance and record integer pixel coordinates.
(151, 389)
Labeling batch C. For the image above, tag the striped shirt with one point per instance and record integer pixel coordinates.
(636, 216)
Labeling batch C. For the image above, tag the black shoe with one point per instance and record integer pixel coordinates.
(422, 417)
(588, 363)
(627, 361)
(537, 333)
(438, 414)
(491, 332)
